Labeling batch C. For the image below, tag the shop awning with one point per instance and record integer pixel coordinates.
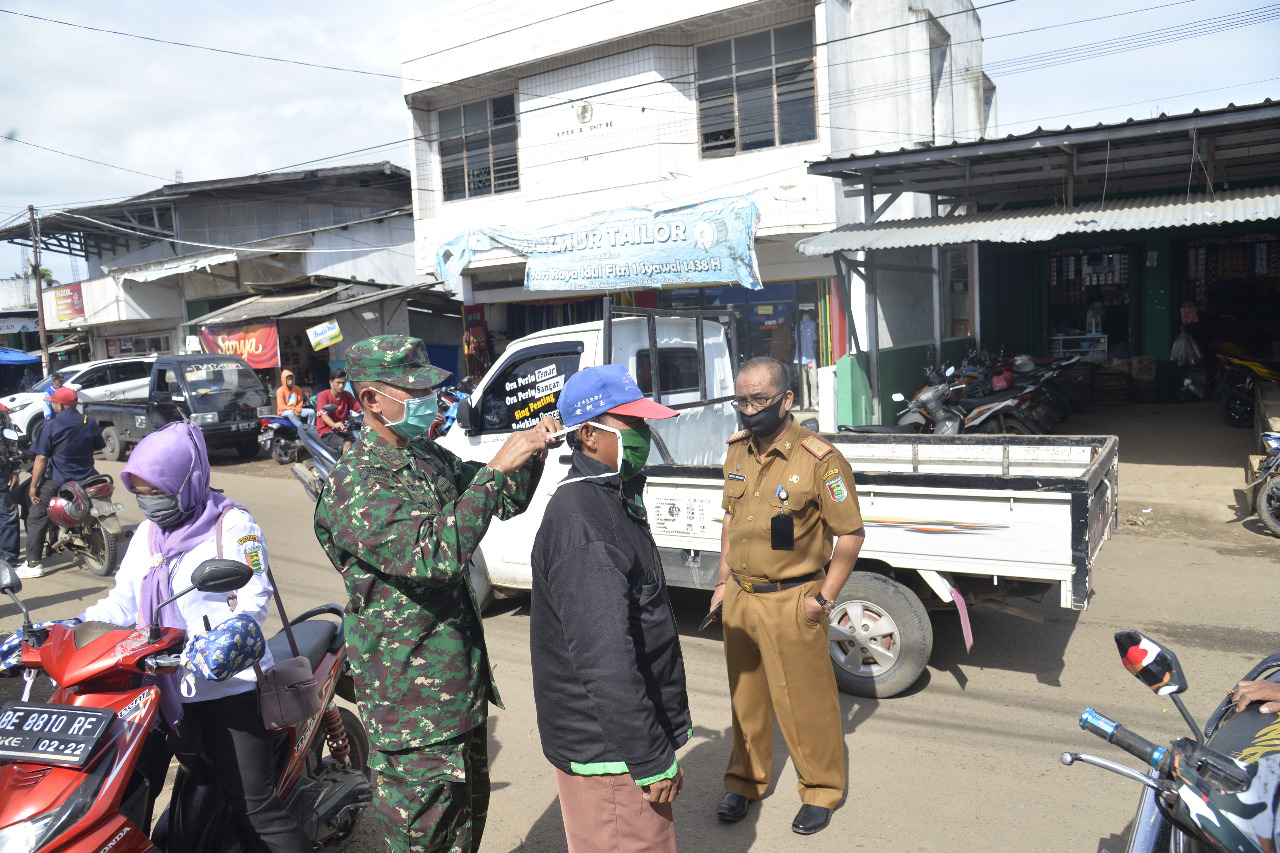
(174, 266)
(1037, 225)
(265, 307)
(330, 308)
(14, 356)
(71, 342)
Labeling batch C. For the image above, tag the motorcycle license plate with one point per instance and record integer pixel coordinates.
(40, 733)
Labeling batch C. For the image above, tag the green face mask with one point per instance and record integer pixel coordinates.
(633, 448)
(419, 414)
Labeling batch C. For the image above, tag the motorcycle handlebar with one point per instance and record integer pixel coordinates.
(1114, 733)
(153, 662)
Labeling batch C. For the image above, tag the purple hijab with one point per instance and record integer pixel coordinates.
(175, 461)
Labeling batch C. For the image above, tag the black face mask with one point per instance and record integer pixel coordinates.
(765, 422)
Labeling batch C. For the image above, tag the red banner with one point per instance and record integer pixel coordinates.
(258, 345)
(70, 302)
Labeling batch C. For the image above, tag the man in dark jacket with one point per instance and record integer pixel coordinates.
(608, 677)
(64, 452)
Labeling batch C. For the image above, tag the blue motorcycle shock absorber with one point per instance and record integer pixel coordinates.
(1114, 733)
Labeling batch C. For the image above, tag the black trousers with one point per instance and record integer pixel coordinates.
(38, 521)
(229, 732)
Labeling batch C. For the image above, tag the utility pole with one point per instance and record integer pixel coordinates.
(35, 250)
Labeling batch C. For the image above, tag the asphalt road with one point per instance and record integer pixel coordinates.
(968, 759)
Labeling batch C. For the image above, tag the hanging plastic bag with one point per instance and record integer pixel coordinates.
(1186, 351)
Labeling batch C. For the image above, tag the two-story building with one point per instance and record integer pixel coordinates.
(526, 115)
(163, 262)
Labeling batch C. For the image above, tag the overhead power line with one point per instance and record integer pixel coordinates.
(78, 157)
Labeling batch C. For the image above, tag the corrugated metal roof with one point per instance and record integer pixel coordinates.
(265, 307)
(1041, 224)
(329, 308)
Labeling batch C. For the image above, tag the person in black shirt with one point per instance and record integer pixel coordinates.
(64, 452)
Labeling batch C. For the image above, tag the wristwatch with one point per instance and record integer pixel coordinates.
(826, 606)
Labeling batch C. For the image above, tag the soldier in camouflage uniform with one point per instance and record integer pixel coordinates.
(399, 518)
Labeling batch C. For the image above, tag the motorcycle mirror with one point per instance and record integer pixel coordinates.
(209, 576)
(10, 434)
(898, 398)
(951, 371)
(329, 408)
(1153, 664)
(9, 580)
(221, 575)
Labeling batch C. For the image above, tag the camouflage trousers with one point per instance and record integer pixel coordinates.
(434, 799)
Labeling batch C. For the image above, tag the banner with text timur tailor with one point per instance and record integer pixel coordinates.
(711, 242)
(258, 345)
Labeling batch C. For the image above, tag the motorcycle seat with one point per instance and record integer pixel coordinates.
(872, 429)
(86, 632)
(315, 638)
(968, 404)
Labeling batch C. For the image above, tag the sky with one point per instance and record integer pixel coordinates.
(157, 108)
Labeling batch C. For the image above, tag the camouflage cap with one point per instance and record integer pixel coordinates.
(394, 359)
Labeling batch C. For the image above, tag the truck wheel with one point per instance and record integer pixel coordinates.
(480, 582)
(1268, 504)
(248, 449)
(112, 449)
(880, 636)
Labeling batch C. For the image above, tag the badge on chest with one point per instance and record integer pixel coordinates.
(782, 527)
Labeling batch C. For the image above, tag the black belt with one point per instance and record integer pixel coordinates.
(771, 586)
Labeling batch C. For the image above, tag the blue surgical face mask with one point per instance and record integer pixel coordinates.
(419, 414)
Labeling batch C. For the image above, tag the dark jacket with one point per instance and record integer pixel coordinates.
(608, 676)
(75, 460)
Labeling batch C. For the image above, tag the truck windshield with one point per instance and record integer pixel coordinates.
(218, 385)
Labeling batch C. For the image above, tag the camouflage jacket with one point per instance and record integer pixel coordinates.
(400, 526)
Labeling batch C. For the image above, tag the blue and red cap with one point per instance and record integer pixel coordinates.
(604, 388)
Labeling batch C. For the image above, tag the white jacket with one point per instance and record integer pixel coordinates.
(242, 540)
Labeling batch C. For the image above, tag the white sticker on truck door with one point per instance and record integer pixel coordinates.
(690, 514)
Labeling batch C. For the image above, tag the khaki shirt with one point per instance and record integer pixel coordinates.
(820, 497)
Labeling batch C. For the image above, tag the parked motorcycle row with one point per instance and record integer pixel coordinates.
(312, 460)
(1215, 790)
(988, 394)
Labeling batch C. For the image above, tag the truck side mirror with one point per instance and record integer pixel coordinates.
(464, 415)
(1153, 664)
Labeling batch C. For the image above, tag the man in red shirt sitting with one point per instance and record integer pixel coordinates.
(332, 426)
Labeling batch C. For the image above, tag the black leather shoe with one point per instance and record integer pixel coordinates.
(811, 819)
(733, 808)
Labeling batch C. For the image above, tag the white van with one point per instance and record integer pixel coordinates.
(107, 379)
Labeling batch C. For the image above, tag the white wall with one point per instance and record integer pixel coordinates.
(640, 147)
(385, 266)
(106, 301)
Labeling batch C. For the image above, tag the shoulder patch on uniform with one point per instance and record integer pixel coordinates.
(816, 446)
(833, 472)
(738, 436)
(249, 538)
(253, 556)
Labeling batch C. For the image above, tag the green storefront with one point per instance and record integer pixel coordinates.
(1091, 242)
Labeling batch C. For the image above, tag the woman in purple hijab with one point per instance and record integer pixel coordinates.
(168, 472)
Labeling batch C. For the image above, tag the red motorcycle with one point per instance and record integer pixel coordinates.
(68, 775)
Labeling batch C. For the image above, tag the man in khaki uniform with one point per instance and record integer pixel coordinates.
(787, 495)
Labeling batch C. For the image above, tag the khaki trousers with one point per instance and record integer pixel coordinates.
(779, 664)
(609, 813)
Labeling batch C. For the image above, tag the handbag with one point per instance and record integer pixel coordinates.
(287, 692)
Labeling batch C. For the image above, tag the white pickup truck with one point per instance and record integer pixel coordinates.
(951, 521)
